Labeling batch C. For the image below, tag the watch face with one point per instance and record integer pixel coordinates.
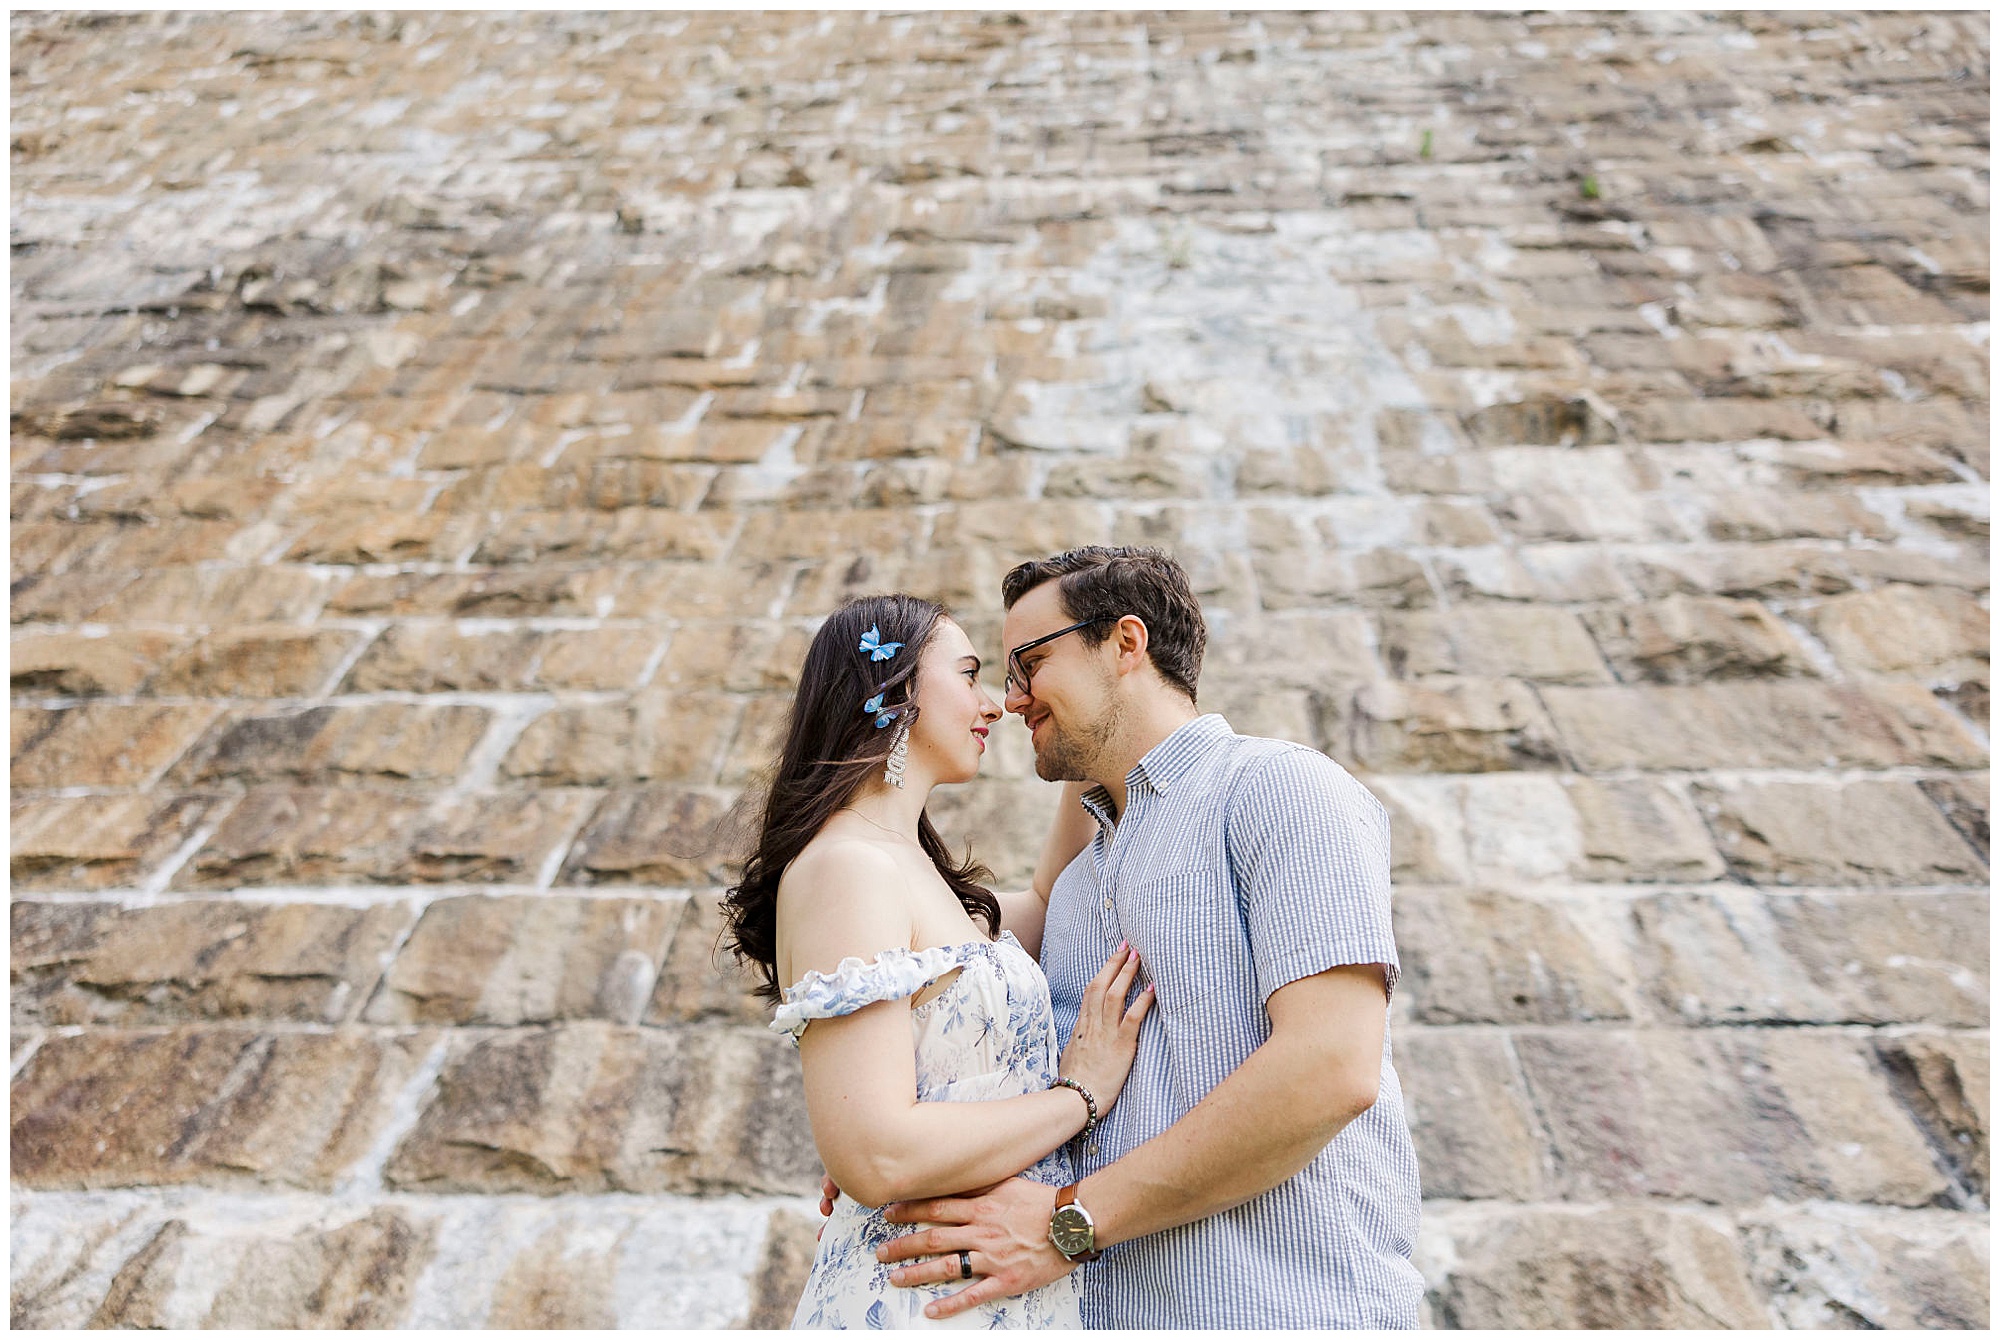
(1071, 1230)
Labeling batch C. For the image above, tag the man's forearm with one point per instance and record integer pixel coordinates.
(1261, 1125)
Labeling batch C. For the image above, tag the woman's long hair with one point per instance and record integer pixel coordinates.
(831, 748)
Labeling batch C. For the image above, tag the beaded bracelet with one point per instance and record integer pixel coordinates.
(1064, 1082)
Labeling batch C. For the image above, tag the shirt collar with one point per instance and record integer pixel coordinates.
(1164, 764)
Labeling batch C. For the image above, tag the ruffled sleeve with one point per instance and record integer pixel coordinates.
(894, 974)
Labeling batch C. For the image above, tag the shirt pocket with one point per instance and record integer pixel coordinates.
(1190, 939)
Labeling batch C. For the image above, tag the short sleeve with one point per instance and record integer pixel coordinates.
(1310, 847)
(894, 974)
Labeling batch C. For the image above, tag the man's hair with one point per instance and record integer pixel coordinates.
(1108, 582)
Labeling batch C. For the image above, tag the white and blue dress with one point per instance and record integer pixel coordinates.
(989, 1034)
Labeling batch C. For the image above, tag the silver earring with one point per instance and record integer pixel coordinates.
(899, 754)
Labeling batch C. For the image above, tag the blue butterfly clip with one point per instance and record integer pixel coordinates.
(875, 705)
(871, 642)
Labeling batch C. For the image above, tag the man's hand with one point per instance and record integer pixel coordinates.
(1006, 1230)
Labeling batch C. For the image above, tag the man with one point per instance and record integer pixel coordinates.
(1257, 1171)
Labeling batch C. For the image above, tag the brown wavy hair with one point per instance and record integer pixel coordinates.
(831, 748)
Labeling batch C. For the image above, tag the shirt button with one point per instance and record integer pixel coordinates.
(1107, 904)
(1091, 1149)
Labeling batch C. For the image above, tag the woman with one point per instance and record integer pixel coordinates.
(921, 1017)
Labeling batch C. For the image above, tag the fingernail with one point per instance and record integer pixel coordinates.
(1122, 946)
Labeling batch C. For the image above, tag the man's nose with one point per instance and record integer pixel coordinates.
(1017, 699)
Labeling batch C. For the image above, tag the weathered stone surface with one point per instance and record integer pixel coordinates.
(597, 658)
(1963, 800)
(76, 666)
(361, 1274)
(257, 663)
(1508, 1268)
(596, 1107)
(527, 959)
(1944, 1080)
(110, 1108)
(96, 963)
(1743, 956)
(1757, 725)
(1911, 630)
(1728, 1117)
(437, 658)
(372, 744)
(1827, 833)
(101, 744)
(701, 980)
(1452, 725)
(1536, 644)
(99, 842)
(1376, 579)
(1640, 831)
(1475, 1128)
(656, 835)
(657, 736)
(781, 1275)
(497, 837)
(1841, 1267)
(303, 835)
(1477, 956)
(1683, 640)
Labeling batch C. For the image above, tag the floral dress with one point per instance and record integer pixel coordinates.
(989, 1034)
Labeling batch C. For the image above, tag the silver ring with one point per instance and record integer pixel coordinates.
(965, 1265)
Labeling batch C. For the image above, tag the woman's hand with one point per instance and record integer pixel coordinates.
(1100, 1051)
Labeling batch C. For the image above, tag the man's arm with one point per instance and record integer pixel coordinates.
(1320, 1068)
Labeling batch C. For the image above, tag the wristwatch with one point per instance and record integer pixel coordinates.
(1071, 1228)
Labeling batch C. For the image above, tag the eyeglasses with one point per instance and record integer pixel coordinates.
(1019, 677)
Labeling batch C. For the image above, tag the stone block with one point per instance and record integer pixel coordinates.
(306, 835)
(1476, 956)
(631, 533)
(438, 658)
(1448, 724)
(98, 963)
(1758, 725)
(658, 735)
(780, 1282)
(1314, 578)
(220, 1106)
(1759, 515)
(744, 657)
(1000, 822)
(100, 842)
(502, 594)
(1689, 640)
(1829, 833)
(365, 535)
(655, 835)
(205, 595)
(1963, 801)
(360, 1274)
(702, 981)
(1910, 630)
(1944, 1080)
(1426, 829)
(1746, 571)
(1548, 645)
(1846, 1267)
(1640, 831)
(1604, 1267)
(73, 665)
(527, 959)
(759, 738)
(1475, 1128)
(596, 1107)
(257, 663)
(596, 659)
(825, 534)
(500, 837)
(1724, 1116)
(102, 744)
(372, 743)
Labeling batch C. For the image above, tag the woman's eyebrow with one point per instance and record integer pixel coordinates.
(976, 662)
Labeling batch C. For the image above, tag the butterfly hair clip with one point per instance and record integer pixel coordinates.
(872, 643)
(882, 718)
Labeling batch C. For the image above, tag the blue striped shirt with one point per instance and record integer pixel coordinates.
(1240, 864)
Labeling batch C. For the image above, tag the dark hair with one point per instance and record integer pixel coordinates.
(831, 748)
(1109, 582)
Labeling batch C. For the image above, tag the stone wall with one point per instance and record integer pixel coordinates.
(434, 438)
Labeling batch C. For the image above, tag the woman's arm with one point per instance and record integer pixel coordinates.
(1071, 831)
(877, 1141)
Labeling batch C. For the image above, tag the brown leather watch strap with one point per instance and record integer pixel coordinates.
(1066, 1196)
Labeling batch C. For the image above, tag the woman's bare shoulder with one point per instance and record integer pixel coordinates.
(841, 897)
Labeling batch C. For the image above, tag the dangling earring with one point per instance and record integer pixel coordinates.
(899, 754)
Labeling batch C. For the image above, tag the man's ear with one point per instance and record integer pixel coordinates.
(1132, 638)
